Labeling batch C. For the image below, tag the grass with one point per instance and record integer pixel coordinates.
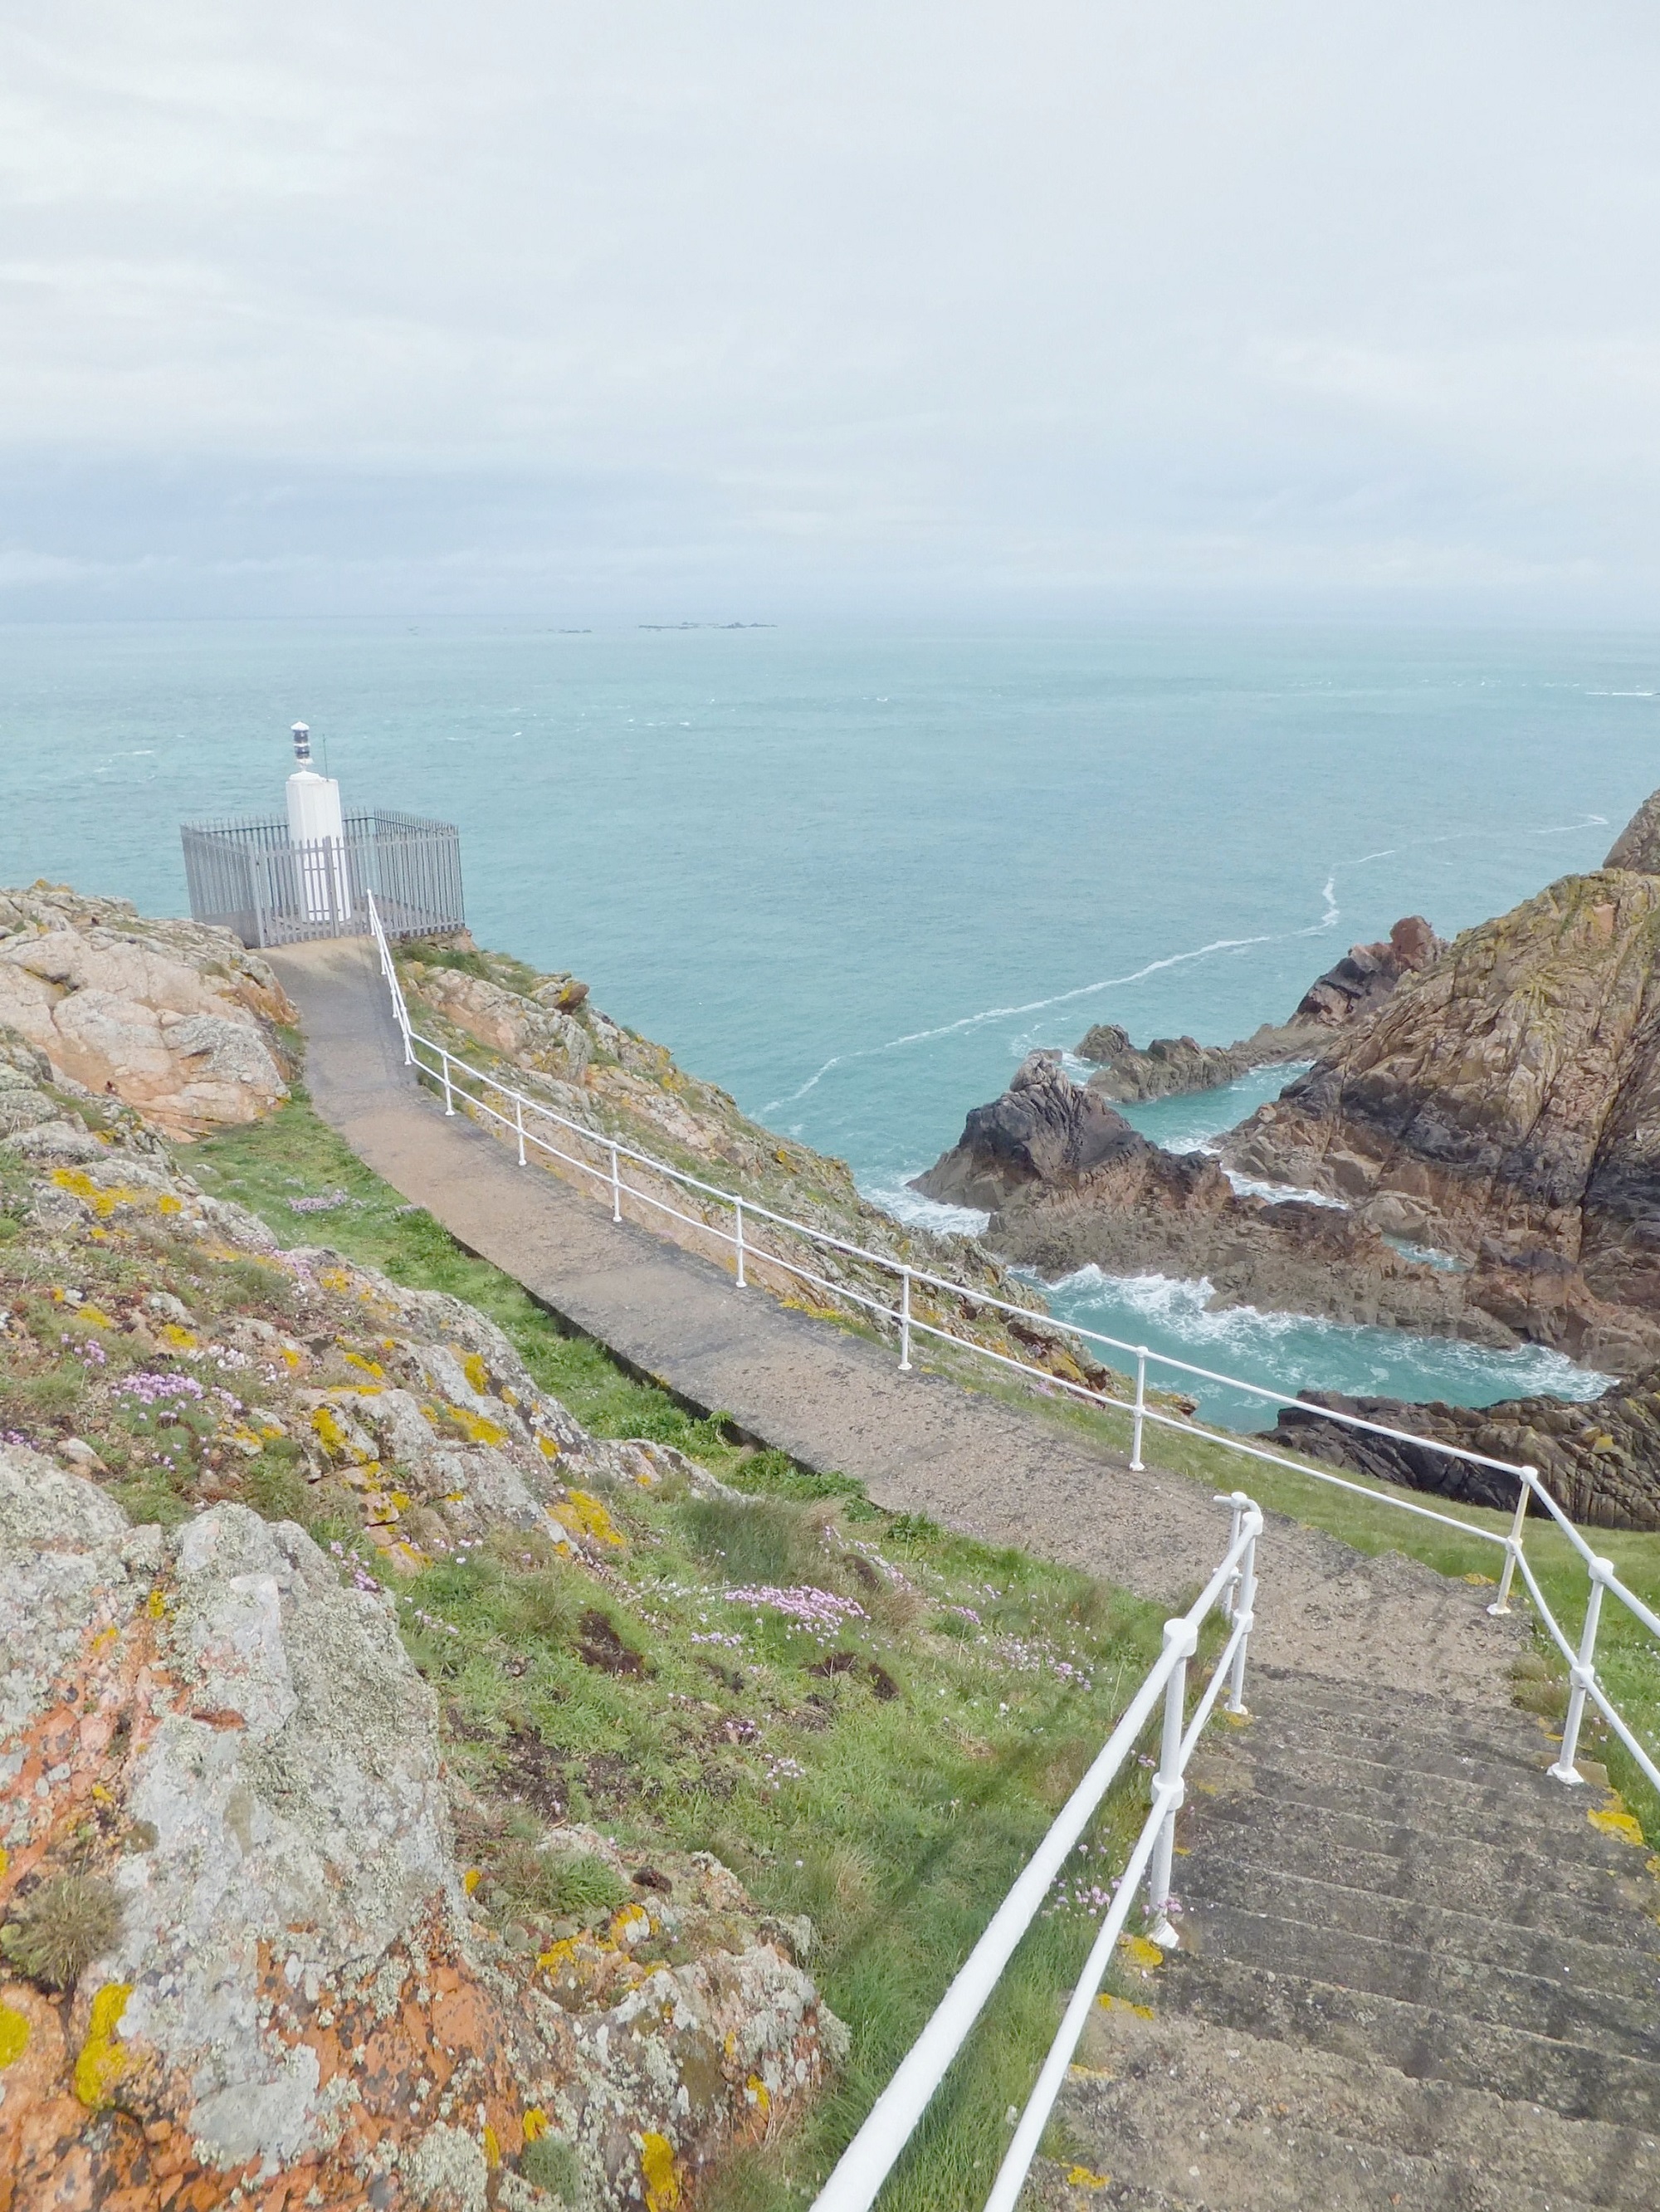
(887, 1770)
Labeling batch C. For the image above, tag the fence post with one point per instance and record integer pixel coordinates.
(1168, 1787)
(1236, 1501)
(904, 1321)
(738, 1208)
(519, 1123)
(449, 1102)
(1141, 1407)
(1582, 1674)
(1244, 1610)
(1513, 1542)
(616, 1187)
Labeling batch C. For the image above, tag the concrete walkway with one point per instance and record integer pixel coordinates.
(919, 1443)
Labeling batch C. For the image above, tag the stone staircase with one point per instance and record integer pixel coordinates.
(1414, 1973)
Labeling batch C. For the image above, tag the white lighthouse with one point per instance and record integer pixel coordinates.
(317, 832)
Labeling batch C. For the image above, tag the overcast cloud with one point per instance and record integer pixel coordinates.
(748, 311)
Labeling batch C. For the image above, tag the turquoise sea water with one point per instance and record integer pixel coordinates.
(854, 877)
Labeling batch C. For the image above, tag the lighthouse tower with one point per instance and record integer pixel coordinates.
(317, 831)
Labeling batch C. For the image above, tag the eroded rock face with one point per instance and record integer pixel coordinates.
(1505, 1105)
(1045, 1129)
(169, 1016)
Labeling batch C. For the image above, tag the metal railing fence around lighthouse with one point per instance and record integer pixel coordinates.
(251, 876)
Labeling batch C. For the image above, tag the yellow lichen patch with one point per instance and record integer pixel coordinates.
(14, 2035)
(1617, 1818)
(584, 1515)
(5, 1861)
(657, 2170)
(548, 1446)
(329, 1430)
(510, 1397)
(103, 2062)
(534, 2122)
(369, 1366)
(1477, 1581)
(631, 1925)
(178, 1338)
(492, 2147)
(103, 1640)
(1123, 2004)
(562, 1954)
(335, 1278)
(758, 2093)
(1140, 1952)
(167, 1204)
(291, 1357)
(475, 1427)
(477, 1373)
(156, 1605)
(96, 1315)
(471, 1880)
(1081, 2178)
(102, 1200)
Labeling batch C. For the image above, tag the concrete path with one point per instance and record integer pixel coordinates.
(920, 1444)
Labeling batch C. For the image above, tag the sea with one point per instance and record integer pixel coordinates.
(855, 875)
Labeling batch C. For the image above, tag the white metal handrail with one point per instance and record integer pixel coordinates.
(1141, 1410)
(865, 2163)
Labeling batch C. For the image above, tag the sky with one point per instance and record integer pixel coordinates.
(748, 312)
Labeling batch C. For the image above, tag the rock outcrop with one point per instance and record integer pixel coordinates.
(1600, 1459)
(169, 1016)
(1355, 988)
(1506, 1106)
(242, 1956)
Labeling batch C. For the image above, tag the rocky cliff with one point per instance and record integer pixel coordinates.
(270, 1929)
(1355, 988)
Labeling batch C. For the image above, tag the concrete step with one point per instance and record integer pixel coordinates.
(1629, 1968)
(1602, 1910)
(1573, 2079)
(1526, 1811)
(1177, 2111)
(1464, 1871)
(1444, 1981)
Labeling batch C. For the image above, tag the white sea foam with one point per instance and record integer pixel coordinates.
(1277, 1194)
(1292, 1352)
(917, 1211)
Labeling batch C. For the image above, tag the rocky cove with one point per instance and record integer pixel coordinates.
(1471, 1154)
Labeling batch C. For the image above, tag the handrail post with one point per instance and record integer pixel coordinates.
(519, 1123)
(1141, 1407)
(1236, 1501)
(616, 1187)
(1500, 1605)
(904, 1321)
(1168, 1787)
(1582, 1674)
(1245, 1608)
(449, 1101)
(738, 1208)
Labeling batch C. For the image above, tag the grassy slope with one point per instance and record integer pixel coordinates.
(906, 1800)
